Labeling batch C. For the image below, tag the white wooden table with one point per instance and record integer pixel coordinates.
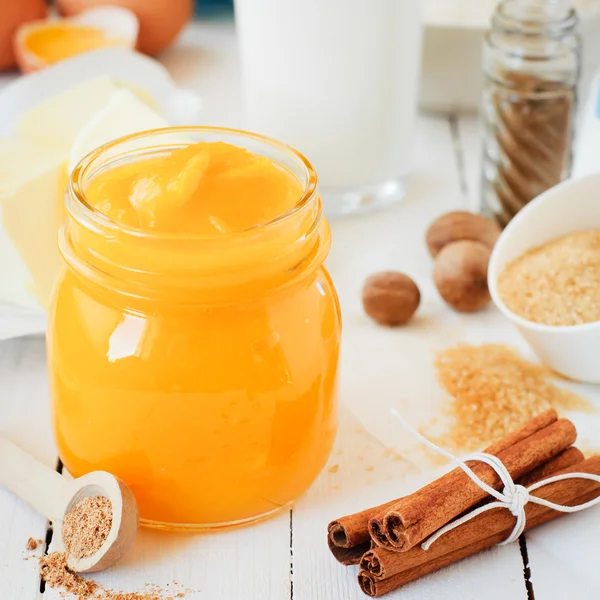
(286, 557)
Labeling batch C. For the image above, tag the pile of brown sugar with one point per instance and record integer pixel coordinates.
(495, 390)
(557, 283)
(56, 574)
(86, 526)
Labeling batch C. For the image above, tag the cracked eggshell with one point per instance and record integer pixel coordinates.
(117, 27)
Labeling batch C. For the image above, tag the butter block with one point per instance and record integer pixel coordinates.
(124, 114)
(31, 211)
(19, 160)
(56, 121)
(50, 138)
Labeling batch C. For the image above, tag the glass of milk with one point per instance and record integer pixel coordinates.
(337, 80)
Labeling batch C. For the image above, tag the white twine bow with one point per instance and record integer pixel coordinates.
(513, 497)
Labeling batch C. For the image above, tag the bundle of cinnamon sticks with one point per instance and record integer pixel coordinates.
(385, 541)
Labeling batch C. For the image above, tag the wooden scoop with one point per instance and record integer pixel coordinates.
(53, 495)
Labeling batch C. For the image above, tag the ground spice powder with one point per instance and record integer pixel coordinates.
(56, 574)
(86, 526)
(494, 391)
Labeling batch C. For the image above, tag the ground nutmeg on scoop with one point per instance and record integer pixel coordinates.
(86, 526)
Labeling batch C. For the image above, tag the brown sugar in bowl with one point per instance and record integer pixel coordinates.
(572, 206)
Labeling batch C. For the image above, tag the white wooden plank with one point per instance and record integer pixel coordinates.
(563, 557)
(25, 419)
(254, 562)
(469, 135)
(381, 367)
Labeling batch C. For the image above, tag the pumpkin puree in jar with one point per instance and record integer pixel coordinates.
(212, 412)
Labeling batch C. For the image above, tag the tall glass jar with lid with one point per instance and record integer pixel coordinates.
(531, 63)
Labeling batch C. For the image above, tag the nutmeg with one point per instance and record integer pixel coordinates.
(390, 298)
(460, 275)
(461, 225)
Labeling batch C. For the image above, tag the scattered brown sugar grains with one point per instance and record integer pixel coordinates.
(86, 526)
(495, 390)
(72, 586)
(557, 283)
(32, 544)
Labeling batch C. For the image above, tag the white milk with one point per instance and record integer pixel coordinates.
(338, 80)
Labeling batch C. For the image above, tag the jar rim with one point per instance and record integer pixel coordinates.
(195, 265)
(82, 210)
(557, 24)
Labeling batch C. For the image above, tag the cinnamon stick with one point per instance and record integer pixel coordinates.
(418, 515)
(376, 526)
(353, 530)
(377, 530)
(383, 563)
(567, 458)
(484, 531)
(378, 587)
(349, 556)
(348, 535)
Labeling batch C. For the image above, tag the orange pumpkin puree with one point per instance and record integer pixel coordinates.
(213, 412)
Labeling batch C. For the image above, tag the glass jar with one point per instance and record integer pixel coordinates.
(364, 58)
(531, 62)
(200, 370)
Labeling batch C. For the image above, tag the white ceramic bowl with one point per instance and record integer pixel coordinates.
(574, 205)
